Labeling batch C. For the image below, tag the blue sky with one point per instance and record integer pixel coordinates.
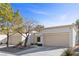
(53, 14)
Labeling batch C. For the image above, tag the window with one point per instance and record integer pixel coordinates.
(38, 39)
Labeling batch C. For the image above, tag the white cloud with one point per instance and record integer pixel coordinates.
(41, 12)
(38, 12)
(63, 17)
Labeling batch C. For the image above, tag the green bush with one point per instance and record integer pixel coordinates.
(1, 43)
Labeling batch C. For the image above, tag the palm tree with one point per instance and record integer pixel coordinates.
(77, 29)
(77, 23)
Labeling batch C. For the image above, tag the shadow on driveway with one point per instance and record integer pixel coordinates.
(40, 49)
(76, 50)
(26, 50)
(13, 50)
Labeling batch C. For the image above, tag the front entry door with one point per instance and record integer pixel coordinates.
(39, 43)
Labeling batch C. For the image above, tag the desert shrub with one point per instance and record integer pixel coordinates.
(33, 43)
(36, 43)
(39, 44)
(19, 44)
(69, 52)
(1, 43)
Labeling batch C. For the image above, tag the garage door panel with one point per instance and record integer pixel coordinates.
(56, 39)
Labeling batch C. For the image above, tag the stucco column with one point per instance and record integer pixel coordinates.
(72, 41)
(71, 38)
(42, 39)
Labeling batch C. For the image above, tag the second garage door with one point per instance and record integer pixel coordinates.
(56, 39)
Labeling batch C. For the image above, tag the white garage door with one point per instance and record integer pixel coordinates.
(56, 39)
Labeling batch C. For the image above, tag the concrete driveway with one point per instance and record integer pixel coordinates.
(37, 51)
(43, 51)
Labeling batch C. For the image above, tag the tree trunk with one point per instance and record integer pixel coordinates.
(7, 40)
(26, 39)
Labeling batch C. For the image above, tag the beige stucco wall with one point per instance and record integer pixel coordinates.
(59, 36)
(56, 39)
(57, 29)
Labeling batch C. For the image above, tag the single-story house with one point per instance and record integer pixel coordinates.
(60, 36)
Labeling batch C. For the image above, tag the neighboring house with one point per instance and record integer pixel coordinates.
(60, 36)
(13, 39)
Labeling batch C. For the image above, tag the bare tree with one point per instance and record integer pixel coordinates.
(39, 28)
(29, 27)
